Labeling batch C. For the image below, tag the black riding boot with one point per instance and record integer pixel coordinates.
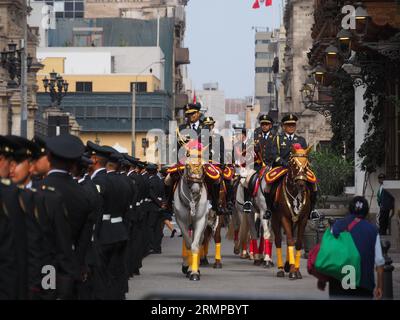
(215, 199)
(247, 206)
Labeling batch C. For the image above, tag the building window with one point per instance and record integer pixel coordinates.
(67, 8)
(139, 86)
(263, 70)
(263, 41)
(84, 87)
(264, 55)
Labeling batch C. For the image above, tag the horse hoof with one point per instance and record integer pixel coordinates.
(185, 269)
(244, 256)
(194, 277)
(188, 274)
(257, 262)
(298, 275)
(251, 256)
(204, 262)
(280, 274)
(217, 265)
(268, 264)
(236, 251)
(292, 276)
(286, 267)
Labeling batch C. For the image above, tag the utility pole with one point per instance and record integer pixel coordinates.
(24, 73)
(133, 118)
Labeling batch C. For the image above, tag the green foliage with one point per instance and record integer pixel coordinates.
(333, 172)
(374, 76)
(342, 115)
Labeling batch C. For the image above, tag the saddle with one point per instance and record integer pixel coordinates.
(255, 181)
(276, 173)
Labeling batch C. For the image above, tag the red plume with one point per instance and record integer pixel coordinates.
(297, 146)
(256, 4)
(268, 3)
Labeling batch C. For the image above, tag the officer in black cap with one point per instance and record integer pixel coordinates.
(13, 272)
(41, 165)
(63, 152)
(155, 207)
(264, 142)
(216, 149)
(286, 139)
(137, 231)
(193, 127)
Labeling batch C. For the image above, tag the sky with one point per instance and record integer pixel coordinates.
(221, 42)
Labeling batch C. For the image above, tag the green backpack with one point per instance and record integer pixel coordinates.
(336, 253)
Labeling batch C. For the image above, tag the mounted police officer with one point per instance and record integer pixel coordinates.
(282, 150)
(193, 127)
(264, 150)
(216, 149)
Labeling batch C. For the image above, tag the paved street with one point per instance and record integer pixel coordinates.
(161, 274)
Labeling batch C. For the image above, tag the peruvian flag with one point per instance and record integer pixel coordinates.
(256, 4)
(194, 97)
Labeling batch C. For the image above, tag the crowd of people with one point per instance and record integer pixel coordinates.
(76, 221)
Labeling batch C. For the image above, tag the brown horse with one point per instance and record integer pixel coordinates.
(291, 209)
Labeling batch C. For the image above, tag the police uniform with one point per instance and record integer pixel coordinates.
(284, 142)
(68, 148)
(155, 206)
(216, 150)
(137, 230)
(185, 130)
(264, 144)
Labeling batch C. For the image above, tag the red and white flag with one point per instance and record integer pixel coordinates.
(256, 4)
(194, 97)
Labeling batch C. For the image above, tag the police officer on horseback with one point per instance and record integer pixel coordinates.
(282, 150)
(264, 150)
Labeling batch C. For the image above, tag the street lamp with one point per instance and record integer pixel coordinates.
(331, 57)
(11, 59)
(362, 20)
(57, 88)
(319, 74)
(344, 40)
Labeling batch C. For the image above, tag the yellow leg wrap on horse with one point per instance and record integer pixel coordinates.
(287, 254)
(218, 251)
(195, 262)
(291, 255)
(279, 257)
(298, 257)
(190, 258)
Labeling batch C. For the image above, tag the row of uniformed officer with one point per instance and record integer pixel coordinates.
(81, 211)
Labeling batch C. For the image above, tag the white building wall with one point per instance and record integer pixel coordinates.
(213, 105)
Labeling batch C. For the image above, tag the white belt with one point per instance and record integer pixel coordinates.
(159, 198)
(138, 204)
(130, 207)
(141, 201)
(106, 217)
(116, 220)
(147, 200)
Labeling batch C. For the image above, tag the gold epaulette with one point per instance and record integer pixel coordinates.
(6, 182)
(48, 188)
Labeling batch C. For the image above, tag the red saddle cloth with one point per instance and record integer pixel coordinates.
(255, 181)
(176, 168)
(228, 173)
(212, 171)
(274, 174)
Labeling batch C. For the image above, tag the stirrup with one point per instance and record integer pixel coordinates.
(247, 206)
(314, 215)
(267, 214)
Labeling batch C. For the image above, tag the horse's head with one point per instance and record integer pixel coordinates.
(298, 165)
(194, 175)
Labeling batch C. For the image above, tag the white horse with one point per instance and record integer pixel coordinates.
(191, 209)
(259, 209)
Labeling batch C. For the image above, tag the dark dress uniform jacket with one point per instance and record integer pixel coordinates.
(156, 192)
(115, 204)
(283, 148)
(8, 259)
(216, 148)
(265, 147)
(186, 127)
(77, 205)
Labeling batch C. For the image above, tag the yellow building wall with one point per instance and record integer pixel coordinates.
(106, 83)
(55, 64)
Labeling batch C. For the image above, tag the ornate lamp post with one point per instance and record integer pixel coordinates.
(11, 60)
(57, 88)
